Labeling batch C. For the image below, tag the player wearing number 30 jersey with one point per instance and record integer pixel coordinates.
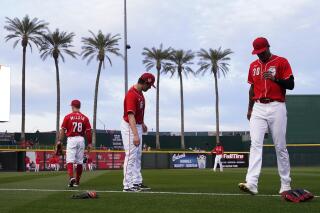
(75, 127)
(269, 76)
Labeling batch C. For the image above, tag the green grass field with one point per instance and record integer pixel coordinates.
(220, 192)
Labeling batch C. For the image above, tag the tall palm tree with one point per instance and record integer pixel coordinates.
(26, 31)
(180, 62)
(55, 44)
(216, 62)
(99, 46)
(156, 57)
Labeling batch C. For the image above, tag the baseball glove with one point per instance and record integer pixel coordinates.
(297, 195)
(59, 149)
(304, 195)
(85, 195)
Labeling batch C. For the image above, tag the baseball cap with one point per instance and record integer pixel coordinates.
(148, 78)
(76, 103)
(260, 45)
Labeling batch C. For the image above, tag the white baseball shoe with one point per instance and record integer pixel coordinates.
(284, 188)
(248, 189)
(72, 182)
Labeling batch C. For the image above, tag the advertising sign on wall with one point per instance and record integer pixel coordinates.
(235, 160)
(189, 160)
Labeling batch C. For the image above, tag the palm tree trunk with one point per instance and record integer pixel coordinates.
(183, 146)
(23, 101)
(95, 105)
(157, 111)
(217, 108)
(58, 98)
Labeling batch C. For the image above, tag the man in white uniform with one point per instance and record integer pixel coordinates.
(269, 76)
(132, 127)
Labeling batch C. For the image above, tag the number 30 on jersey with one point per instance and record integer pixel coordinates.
(256, 71)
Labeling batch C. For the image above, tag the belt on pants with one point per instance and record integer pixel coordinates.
(266, 100)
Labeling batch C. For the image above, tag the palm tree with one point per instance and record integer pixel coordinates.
(99, 46)
(180, 62)
(156, 58)
(216, 62)
(55, 45)
(26, 31)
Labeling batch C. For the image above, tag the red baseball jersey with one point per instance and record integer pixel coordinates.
(38, 160)
(218, 150)
(77, 124)
(89, 160)
(56, 159)
(265, 88)
(50, 160)
(26, 160)
(134, 102)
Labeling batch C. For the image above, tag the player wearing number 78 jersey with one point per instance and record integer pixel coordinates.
(75, 127)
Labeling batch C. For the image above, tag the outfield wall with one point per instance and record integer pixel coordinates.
(105, 160)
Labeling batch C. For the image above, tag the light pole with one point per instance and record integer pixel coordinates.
(104, 125)
(126, 47)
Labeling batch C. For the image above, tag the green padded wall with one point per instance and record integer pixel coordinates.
(230, 143)
(303, 119)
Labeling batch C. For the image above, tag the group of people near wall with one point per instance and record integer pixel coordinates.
(53, 163)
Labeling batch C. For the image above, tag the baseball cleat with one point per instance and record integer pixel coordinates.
(72, 182)
(142, 187)
(246, 188)
(132, 189)
(284, 189)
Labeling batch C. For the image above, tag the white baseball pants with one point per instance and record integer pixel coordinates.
(273, 116)
(132, 163)
(37, 168)
(75, 150)
(217, 160)
(90, 167)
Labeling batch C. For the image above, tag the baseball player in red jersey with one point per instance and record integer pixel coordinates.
(269, 76)
(89, 163)
(52, 163)
(27, 163)
(132, 127)
(219, 151)
(57, 163)
(75, 126)
(37, 164)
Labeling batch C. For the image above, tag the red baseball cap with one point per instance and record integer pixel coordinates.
(260, 45)
(76, 103)
(148, 78)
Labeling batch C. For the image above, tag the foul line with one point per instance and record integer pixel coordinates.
(145, 192)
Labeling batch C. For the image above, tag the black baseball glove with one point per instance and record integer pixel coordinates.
(85, 195)
(59, 149)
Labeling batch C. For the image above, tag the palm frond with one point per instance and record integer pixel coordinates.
(56, 43)
(180, 61)
(214, 61)
(26, 30)
(155, 57)
(100, 46)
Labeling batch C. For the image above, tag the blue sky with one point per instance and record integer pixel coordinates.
(292, 28)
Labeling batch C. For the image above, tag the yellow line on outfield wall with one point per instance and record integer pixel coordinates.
(119, 151)
(296, 145)
(155, 151)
